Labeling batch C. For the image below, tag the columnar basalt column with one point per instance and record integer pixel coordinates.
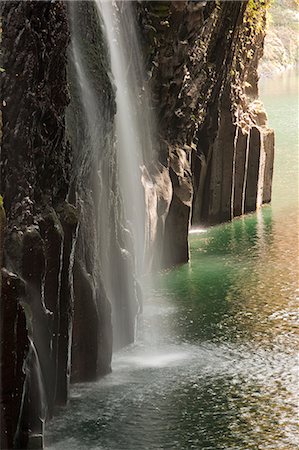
(202, 66)
(35, 167)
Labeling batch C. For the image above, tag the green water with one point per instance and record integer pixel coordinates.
(216, 363)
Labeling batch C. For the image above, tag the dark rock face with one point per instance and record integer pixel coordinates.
(202, 62)
(37, 290)
(92, 337)
(55, 311)
(14, 351)
(177, 222)
(33, 89)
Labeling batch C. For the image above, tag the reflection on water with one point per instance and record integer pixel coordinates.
(215, 365)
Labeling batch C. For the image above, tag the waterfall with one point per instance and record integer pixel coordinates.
(133, 125)
(132, 122)
(118, 148)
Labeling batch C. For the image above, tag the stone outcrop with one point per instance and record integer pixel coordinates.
(35, 166)
(202, 60)
(40, 303)
(158, 195)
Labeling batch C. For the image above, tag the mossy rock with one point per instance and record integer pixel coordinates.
(69, 214)
(161, 9)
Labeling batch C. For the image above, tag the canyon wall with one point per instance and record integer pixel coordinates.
(53, 298)
(68, 256)
(37, 291)
(65, 251)
(202, 60)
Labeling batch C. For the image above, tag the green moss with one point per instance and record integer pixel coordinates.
(161, 9)
(255, 14)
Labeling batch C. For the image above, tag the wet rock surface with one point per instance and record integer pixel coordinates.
(202, 62)
(14, 351)
(38, 175)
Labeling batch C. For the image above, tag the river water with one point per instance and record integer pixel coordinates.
(216, 363)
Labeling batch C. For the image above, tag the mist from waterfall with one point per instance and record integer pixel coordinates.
(120, 231)
(133, 123)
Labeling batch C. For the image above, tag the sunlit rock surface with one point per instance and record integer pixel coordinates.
(158, 191)
(202, 60)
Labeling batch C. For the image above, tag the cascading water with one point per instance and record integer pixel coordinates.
(133, 124)
(118, 194)
(132, 121)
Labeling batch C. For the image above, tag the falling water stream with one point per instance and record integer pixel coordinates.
(215, 362)
(133, 124)
(120, 247)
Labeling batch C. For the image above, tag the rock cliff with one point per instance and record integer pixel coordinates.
(41, 225)
(202, 60)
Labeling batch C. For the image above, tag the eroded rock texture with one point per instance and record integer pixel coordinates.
(40, 182)
(202, 62)
(35, 165)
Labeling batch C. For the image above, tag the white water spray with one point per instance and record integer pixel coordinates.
(132, 121)
(119, 230)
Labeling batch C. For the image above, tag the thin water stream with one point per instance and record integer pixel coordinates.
(215, 365)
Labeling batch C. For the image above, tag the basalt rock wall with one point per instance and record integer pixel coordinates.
(202, 60)
(92, 335)
(65, 252)
(55, 315)
(36, 297)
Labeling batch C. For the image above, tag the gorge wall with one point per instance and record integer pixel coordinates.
(202, 60)
(41, 225)
(64, 231)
